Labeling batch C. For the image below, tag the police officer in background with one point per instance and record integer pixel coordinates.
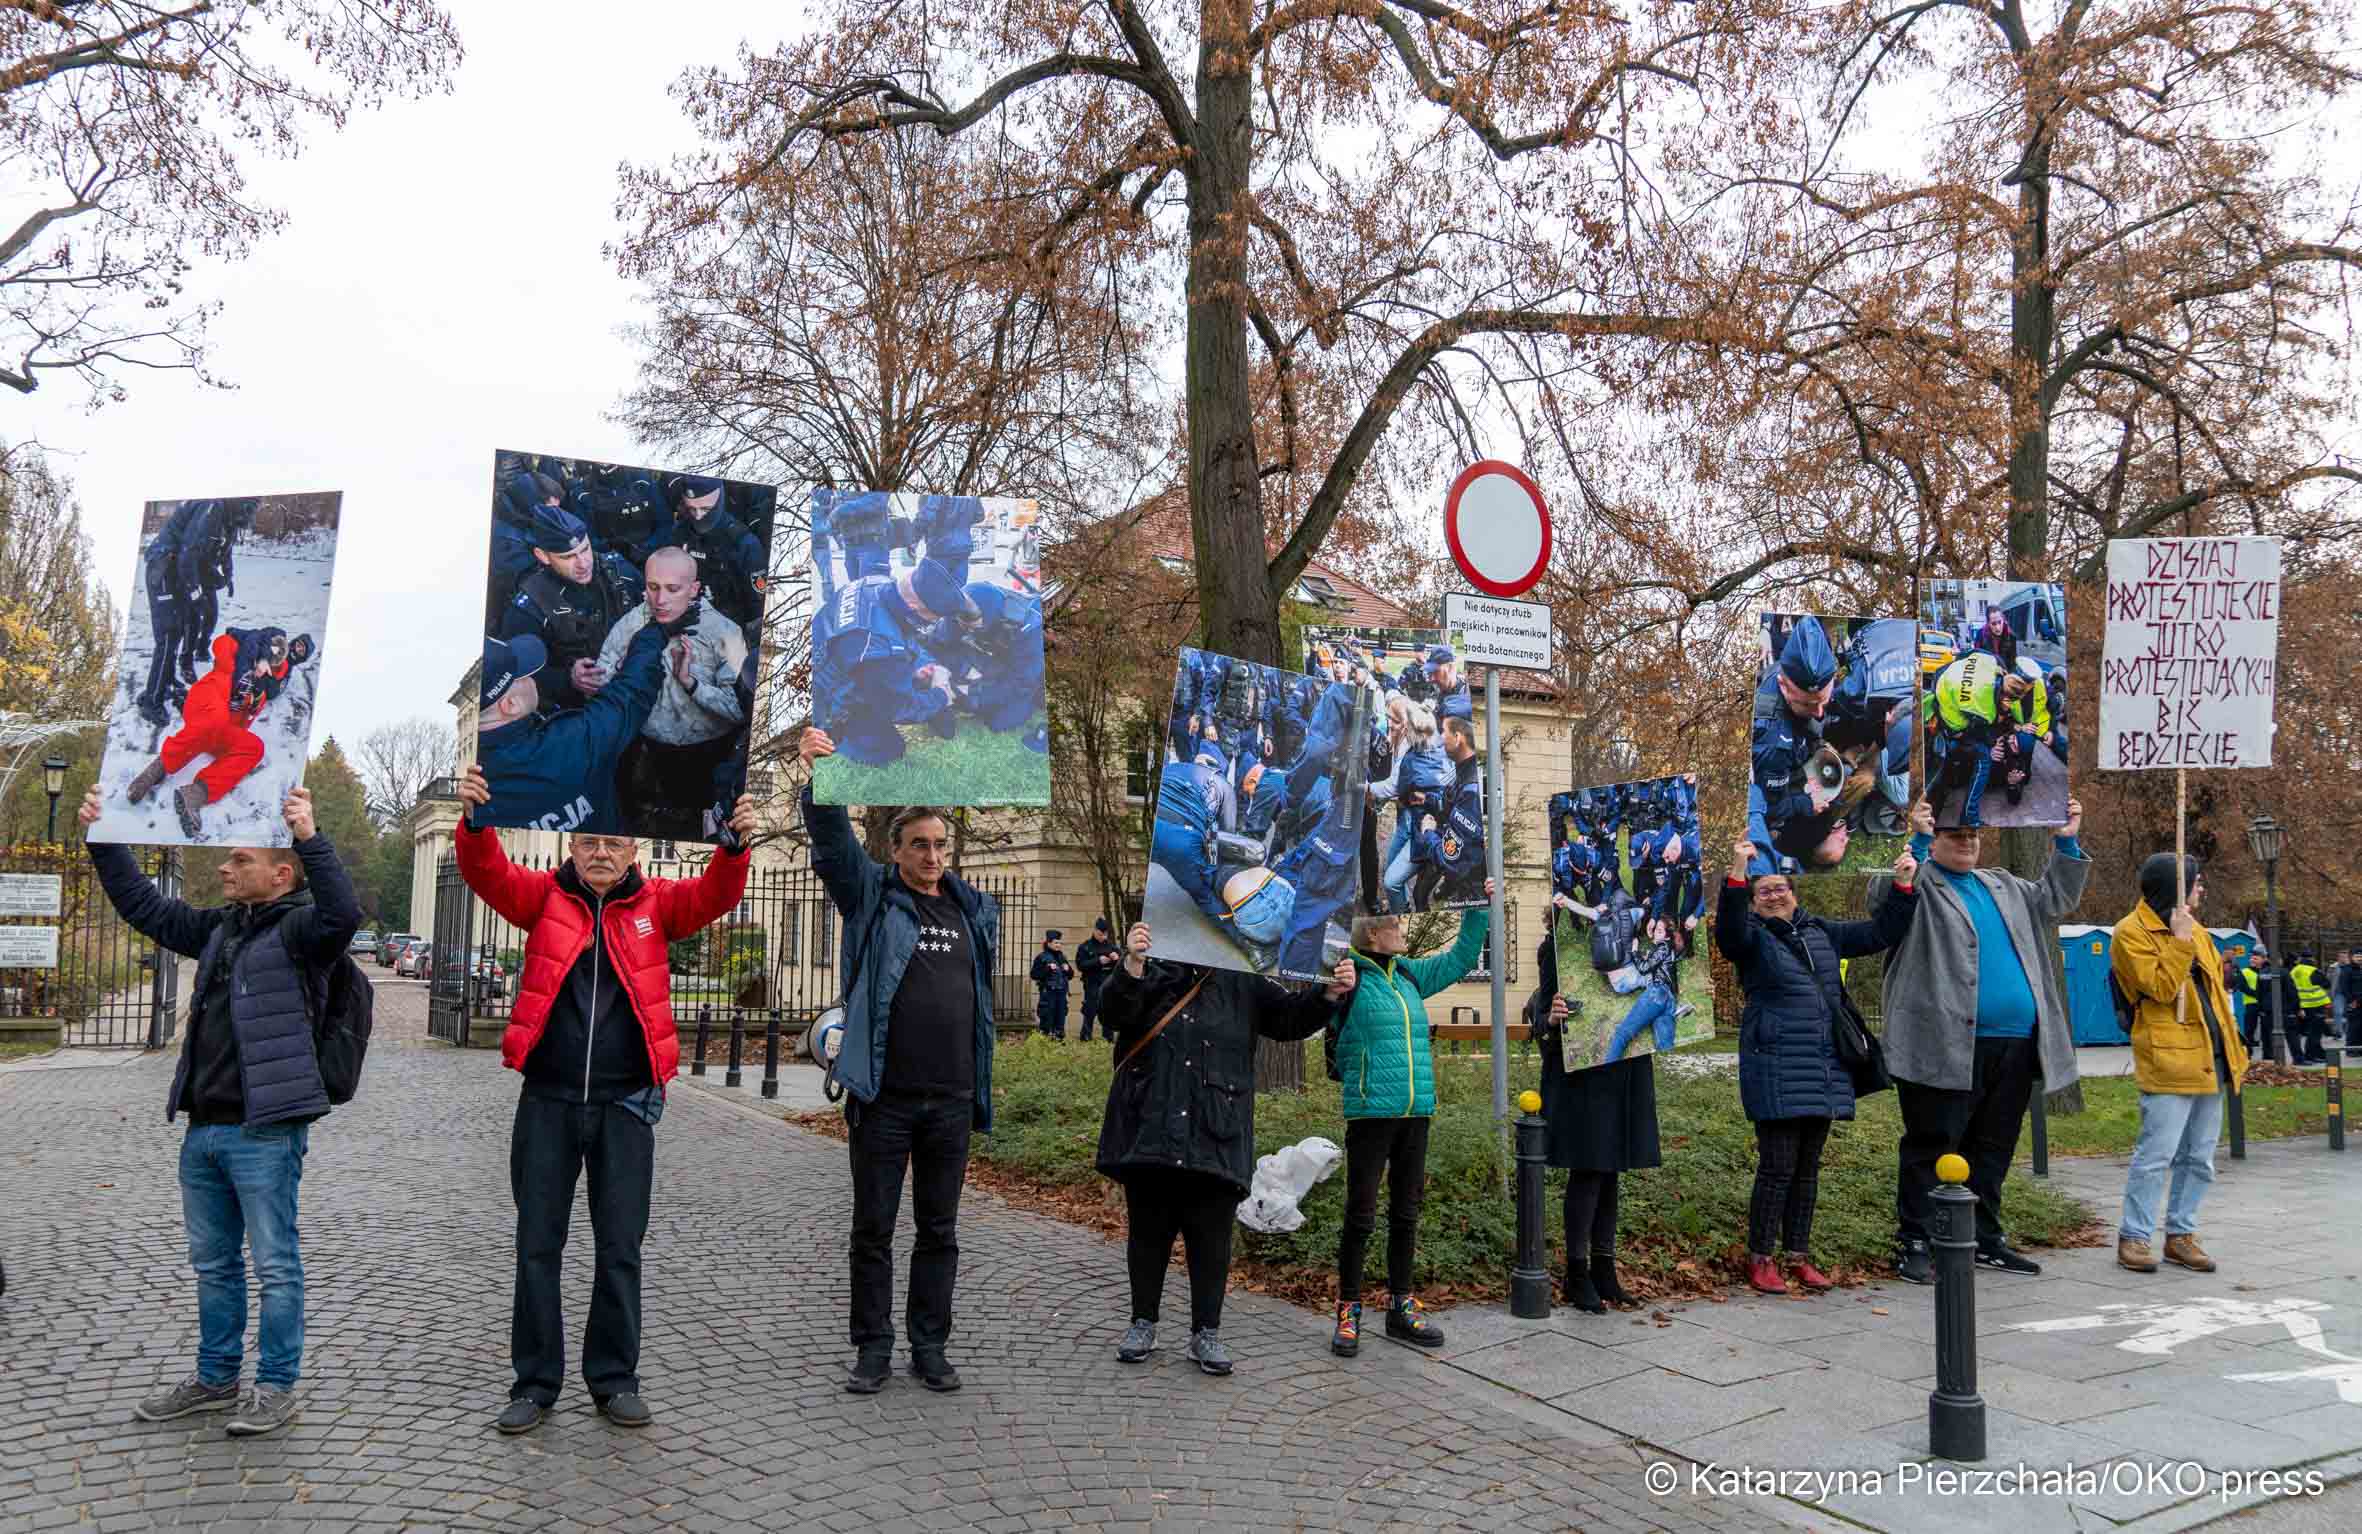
(730, 560)
(624, 510)
(1097, 957)
(1454, 851)
(208, 568)
(948, 524)
(862, 525)
(1785, 734)
(570, 603)
(171, 600)
(556, 771)
(1452, 698)
(1050, 974)
(1003, 649)
(871, 675)
(523, 499)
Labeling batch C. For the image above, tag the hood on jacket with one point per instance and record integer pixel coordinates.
(2157, 879)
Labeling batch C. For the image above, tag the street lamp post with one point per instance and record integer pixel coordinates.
(53, 778)
(2263, 839)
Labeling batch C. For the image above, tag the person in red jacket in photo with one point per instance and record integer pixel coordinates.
(592, 1033)
(250, 666)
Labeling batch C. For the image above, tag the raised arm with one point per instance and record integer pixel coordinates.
(1439, 970)
(326, 930)
(518, 894)
(1890, 916)
(168, 923)
(684, 906)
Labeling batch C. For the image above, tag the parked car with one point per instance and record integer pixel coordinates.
(491, 976)
(412, 962)
(389, 947)
(364, 945)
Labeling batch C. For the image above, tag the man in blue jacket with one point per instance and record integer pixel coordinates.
(249, 1080)
(870, 674)
(915, 1062)
(1455, 850)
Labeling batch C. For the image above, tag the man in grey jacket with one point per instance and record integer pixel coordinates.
(1976, 1010)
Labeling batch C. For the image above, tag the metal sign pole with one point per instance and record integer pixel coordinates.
(1492, 867)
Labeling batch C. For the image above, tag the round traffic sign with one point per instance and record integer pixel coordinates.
(1497, 527)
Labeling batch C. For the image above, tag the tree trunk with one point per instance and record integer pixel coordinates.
(2033, 328)
(1236, 605)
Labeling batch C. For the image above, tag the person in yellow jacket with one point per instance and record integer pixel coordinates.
(2186, 1053)
(2305, 1037)
(1975, 698)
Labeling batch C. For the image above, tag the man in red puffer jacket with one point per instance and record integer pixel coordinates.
(592, 1032)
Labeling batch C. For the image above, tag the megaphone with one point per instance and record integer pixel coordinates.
(824, 1038)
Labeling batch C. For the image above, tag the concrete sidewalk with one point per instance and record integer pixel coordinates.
(2170, 1392)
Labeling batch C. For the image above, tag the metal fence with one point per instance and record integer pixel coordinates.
(776, 952)
(109, 987)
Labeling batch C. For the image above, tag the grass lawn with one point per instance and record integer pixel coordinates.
(13, 1050)
(2111, 1118)
(987, 766)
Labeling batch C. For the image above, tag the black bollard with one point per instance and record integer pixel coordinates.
(1955, 1412)
(1529, 1280)
(731, 1077)
(771, 1054)
(705, 1028)
(2334, 1075)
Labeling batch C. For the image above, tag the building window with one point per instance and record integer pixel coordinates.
(1139, 759)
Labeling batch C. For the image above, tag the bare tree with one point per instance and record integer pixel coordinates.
(121, 127)
(397, 761)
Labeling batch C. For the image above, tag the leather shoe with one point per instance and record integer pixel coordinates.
(521, 1415)
(626, 1409)
(2135, 1255)
(2185, 1251)
(1811, 1277)
(1763, 1276)
(869, 1373)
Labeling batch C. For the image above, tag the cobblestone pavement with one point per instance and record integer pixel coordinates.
(408, 1253)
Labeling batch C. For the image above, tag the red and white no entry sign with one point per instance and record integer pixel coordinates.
(1497, 527)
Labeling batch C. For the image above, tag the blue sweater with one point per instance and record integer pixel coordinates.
(2005, 997)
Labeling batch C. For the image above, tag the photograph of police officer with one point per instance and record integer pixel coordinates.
(1830, 741)
(927, 649)
(586, 555)
(1425, 773)
(211, 721)
(1994, 673)
(1627, 902)
(1254, 856)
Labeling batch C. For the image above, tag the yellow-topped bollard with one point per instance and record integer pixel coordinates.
(1951, 1167)
(1531, 1102)
(1529, 1273)
(1955, 1411)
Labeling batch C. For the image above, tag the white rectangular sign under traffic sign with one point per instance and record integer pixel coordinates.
(1493, 631)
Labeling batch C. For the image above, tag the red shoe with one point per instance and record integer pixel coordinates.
(1763, 1275)
(1811, 1277)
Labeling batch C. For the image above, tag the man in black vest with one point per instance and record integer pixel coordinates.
(249, 1080)
(1096, 959)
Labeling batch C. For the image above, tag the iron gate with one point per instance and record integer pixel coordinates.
(111, 988)
(776, 952)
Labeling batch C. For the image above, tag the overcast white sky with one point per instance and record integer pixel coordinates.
(439, 293)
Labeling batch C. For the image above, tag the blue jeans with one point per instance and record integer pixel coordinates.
(1397, 877)
(237, 1189)
(1653, 1013)
(2179, 1130)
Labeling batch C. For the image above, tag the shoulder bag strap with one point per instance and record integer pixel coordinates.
(1171, 1012)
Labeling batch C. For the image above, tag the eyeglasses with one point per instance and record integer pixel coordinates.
(617, 844)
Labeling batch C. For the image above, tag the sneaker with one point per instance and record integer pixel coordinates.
(521, 1415)
(190, 1395)
(1207, 1352)
(1811, 1277)
(2135, 1255)
(1139, 1341)
(265, 1409)
(2002, 1257)
(868, 1374)
(1763, 1275)
(1406, 1322)
(626, 1409)
(1347, 1341)
(1915, 1260)
(934, 1371)
(2186, 1252)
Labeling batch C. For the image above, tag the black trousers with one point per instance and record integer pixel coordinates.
(1590, 1214)
(1982, 1123)
(1395, 1150)
(552, 1143)
(1787, 1184)
(1200, 1210)
(929, 1137)
(1049, 1012)
(2313, 1029)
(1090, 1009)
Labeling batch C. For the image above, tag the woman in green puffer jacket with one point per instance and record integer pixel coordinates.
(1389, 1075)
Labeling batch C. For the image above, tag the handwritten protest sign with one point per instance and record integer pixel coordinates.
(2192, 648)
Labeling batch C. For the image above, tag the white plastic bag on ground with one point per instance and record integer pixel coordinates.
(1281, 1181)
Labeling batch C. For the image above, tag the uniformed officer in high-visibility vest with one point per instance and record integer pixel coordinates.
(1973, 695)
(2312, 1000)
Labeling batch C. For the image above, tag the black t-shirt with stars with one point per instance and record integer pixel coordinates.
(931, 1029)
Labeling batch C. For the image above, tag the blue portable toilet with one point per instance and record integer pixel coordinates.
(2085, 950)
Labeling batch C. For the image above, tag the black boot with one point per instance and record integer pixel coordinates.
(1603, 1279)
(1580, 1293)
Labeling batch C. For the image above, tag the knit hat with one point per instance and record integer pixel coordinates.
(2157, 880)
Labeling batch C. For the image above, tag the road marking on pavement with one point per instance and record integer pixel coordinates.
(2162, 1328)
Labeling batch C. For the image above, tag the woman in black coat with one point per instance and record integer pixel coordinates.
(1603, 1121)
(1790, 1079)
(1179, 1133)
